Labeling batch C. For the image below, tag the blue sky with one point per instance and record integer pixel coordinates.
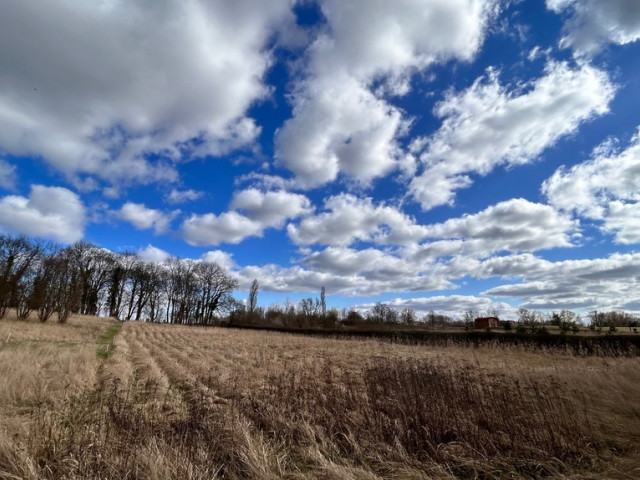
(443, 155)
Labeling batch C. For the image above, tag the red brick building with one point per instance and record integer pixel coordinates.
(486, 322)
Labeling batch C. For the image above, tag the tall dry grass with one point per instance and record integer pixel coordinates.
(42, 365)
(180, 402)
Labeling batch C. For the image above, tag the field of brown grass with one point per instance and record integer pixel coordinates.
(200, 403)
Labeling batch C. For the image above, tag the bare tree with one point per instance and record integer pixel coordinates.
(253, 296)
(17, 256)
(118, 284)
(382, 313)
(323, 301)
(408, 316)
(215, 286)
(531, 319)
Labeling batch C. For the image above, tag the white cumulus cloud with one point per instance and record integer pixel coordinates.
(144, 218)
(271, 208)
(374, 264)
(224, 259)
(181, 196)
(153, 254)
(262, 210)
(489, 125)
(514, 225)
(612, 282)
(591, 24)
(341, 122)
(212, 229)
(605, 188)
(49, 212)
(299, 279)
(349, 218)
(452, 305)
(7, 175)
(101, 88)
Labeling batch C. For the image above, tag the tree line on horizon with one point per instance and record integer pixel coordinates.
(48, 279)
(82, 278)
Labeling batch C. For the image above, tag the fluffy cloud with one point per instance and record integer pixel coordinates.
(49, 212)
(125, 82)
(144, 218)
(263, 210)
(451, 305)
(349, 218)
(224, 259)
(373, 263)
(623, 220)
(181, 196)
(372, 38)
(340, 123)
(270, 209)
(153, 254)
(605, 188)
(7, 175)
(298, 279)
(601, 283)
(514, 225)
(487, 125)
(594, 23)
(212, 229)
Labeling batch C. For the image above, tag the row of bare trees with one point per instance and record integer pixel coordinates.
(82, 278)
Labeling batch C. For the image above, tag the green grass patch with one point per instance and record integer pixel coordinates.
(105, 342)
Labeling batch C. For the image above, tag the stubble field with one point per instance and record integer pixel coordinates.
(186, 402)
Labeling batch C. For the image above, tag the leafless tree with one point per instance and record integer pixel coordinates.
(323, 301)
(253, 296)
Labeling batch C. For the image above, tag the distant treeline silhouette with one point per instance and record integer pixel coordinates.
(82, 278)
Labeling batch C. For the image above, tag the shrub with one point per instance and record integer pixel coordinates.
(542, 330)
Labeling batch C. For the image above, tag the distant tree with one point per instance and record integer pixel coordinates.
(96, 265)
(215, 285)
(67, 283)
(157, 300)
(330, 319)
(309, 307)
(323, 301)
(408, 316)
(18, 256)
(530, 319)
(253, 296)
(352, 317)
(565, 320)
(44, 295)
(274, 315)
(469, 317)
(608, 319)
(596, 319)
(382, 313)
(119, 282)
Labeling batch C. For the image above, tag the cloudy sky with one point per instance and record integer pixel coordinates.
(438, 154)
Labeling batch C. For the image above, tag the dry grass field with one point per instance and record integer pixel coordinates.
(202, 403)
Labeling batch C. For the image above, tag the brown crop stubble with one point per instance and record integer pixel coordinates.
(180, 402)
(42, 366)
